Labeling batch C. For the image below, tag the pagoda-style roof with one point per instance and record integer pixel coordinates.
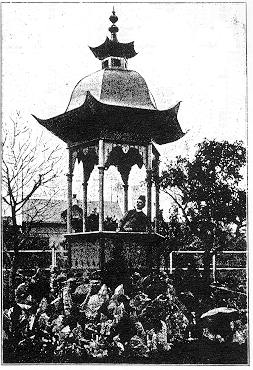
(115, 87)
(114, 103)
(94, 119)
(114, 48)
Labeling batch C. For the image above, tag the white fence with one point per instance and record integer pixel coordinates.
(214, 265)
(215, 261)
(52, 252)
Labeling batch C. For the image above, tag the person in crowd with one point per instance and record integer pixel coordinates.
(93, 220)
(40, 285)
(83, 324)
(23, 291)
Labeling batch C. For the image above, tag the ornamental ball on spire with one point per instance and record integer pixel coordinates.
(113, 29)
(113, 18)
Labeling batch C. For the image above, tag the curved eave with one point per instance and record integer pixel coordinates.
(85, 122)
(69, 124)
(168, 128)
(114, 49)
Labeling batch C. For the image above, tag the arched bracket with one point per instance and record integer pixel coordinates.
(72, 160)
(124, 158)
(89, 158)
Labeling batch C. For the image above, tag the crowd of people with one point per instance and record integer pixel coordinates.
(72, 317)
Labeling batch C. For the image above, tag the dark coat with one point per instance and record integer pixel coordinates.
(134, 221)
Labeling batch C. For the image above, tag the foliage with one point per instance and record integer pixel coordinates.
(78, 322)
(210, 200)
(207, 190)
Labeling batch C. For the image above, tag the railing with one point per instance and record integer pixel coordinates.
(214, 266)
(53, 252)
(215, 261)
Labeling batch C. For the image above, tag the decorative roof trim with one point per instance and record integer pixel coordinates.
(112, 48)
(94, 117)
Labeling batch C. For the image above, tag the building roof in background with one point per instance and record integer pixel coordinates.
(49, 211)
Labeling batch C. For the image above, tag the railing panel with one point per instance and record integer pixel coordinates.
(224, 260)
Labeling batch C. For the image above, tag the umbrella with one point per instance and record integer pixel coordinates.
(231, 313)
(218, 321)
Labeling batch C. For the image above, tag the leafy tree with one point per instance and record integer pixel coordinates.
(208, 192)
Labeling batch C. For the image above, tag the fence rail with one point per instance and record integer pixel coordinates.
(215, 261)
(53, 252)
(214, 265)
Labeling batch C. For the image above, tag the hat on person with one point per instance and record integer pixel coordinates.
(142, 198)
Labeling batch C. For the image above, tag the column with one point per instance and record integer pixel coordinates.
(69, 208)
(125, 186)
(171, 266)
(53, 262)
(101, 169)
(149, 193)
(85, 184)
(157, 207)
(149, 181)
(157, 195)
(214, 269)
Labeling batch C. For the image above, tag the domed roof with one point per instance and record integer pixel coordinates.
(113, 87)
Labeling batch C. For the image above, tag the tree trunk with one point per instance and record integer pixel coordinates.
(14, 267)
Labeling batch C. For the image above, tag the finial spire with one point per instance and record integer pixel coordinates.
(113, 29)
(112, 47)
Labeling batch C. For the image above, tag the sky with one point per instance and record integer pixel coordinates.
(189, 52)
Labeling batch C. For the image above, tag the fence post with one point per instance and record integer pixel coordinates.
(53, 256)
(171, 266)
(214, 267)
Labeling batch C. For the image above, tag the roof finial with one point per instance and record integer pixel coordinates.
(113, 29)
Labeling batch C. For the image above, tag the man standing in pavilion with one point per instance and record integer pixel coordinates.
(135, 219)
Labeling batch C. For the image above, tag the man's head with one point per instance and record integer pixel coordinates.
(140, 203)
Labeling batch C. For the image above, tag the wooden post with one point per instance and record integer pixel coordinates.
(85, 183)
(125, 186)
(157, 195)
(157, 207)
(171, 266)
(214, 268)
(149, 204)
(69, 209)
(101, 169)
(69, 179)
(53, 256)
(149, 182)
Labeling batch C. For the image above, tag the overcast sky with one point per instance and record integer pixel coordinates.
(189, 52)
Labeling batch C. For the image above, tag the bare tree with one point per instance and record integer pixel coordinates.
(28, 164)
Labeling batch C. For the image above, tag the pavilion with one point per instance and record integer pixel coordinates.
(112, 119)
